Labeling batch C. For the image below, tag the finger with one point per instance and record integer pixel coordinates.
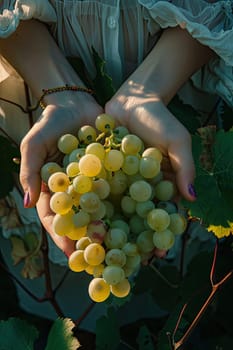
(32, 159)
(46, 216)
(184, 168)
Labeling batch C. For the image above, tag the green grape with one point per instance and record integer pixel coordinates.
(96, 231)
(158, 219)
(94, 254)
(97, 149)
(48, 169)
(140, 191)
(74, 195)
(134, 178)
(131, 144)
(113, 160)
(101, 187)
(164, 239)
(82, 243)
(115, 256)
(143, 208)
(130, 249)
(98, 290)
(118, 182)
(67, 143)
(77, 233)
(115, 238)
(89, 202)
(82, 183)
(100, 213)
(63, 224)
(76, 155)
(169, 206)
(87, 134)
(165, 190)
(72, 169)
(76, 261)
(61, 202)
(145, 241)
(104, 123)
(113, 274)
(178, 223)
(149, 167)
(136, 224)
(120, 132)
(95, 271)
(109, 209)
(131, 164)
(81, 218)
(154, 153)
(58, 182)
(90, 165)
(121, 224)
(121, 289)
(128, 205)
(133, 262)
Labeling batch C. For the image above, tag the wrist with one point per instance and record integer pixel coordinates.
(64, 95)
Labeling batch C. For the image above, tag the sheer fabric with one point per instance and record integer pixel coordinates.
(122, 32)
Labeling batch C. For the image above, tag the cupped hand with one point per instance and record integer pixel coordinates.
(149, 118)
(40, 143)
(40, 146)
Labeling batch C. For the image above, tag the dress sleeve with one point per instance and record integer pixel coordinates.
(12, 12)
(209, 22)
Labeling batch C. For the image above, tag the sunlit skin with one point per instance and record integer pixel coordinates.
(139, 104)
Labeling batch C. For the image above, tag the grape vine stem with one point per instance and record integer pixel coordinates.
(215, 288)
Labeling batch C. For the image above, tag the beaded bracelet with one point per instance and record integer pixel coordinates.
(60, 89)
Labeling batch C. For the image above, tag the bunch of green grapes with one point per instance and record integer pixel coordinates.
(109, 195)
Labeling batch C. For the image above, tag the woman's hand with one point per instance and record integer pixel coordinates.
(140, 103)
(40, 146)
(148, 118)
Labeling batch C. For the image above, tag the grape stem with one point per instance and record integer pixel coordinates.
(215, 287)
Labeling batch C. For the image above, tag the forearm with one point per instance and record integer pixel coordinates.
(175, 57)
(32, 51)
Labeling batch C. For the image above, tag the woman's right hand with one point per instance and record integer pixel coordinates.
(40, 146)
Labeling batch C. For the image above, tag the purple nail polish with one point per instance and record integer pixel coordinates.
(192, 191)
(26, 200)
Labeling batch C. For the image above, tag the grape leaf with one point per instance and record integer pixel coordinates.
(102, 82)
(214, 185)
(167, 278)
(17, 333)
(144, 339)
(107, 331)
(61, 336)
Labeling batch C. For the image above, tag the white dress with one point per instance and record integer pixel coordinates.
(122, 32)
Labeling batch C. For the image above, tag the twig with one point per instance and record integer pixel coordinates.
(215, 287)
(49, 290)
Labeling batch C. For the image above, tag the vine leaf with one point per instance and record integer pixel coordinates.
(61, 336)
(16, 333)
(27, 249)
(102, 83)
(107, 331)
(214, 180)
(144, 339)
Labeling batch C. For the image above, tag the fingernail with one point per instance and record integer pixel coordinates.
(26, 200)
(192, 191)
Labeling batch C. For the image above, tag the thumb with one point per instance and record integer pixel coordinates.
(31, 161)
(183, 165)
